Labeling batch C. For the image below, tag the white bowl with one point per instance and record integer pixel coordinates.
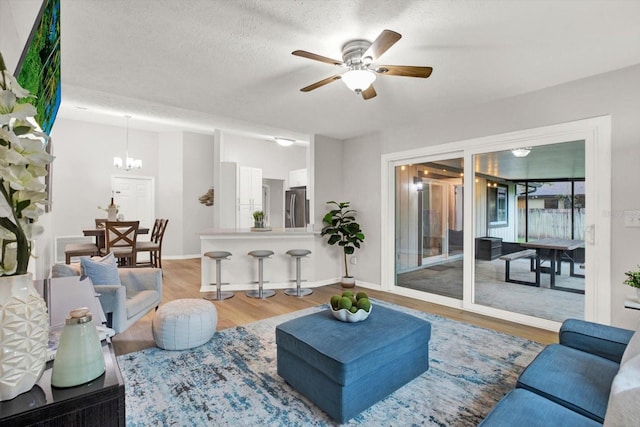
(347, 316)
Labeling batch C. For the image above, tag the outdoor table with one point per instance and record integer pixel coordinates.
(555, 247)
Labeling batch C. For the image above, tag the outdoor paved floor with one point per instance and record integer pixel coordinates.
(493, 291)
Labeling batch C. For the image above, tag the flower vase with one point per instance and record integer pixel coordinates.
(24, 335)
(112, 213)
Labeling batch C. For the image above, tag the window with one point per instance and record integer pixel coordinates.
(497, 205)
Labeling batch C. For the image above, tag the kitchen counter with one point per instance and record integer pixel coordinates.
(241, 269)
(212, 233)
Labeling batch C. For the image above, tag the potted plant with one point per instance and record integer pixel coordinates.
(343, 229)
(258, 219)
(23, 161)
(633, 280)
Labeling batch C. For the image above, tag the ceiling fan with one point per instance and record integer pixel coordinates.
(357, 57)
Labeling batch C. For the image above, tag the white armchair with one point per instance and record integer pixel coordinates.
(140, 292)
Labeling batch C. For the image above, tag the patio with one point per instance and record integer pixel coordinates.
(491, 289)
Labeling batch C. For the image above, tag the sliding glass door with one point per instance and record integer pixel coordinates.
(429, 227)
(529, 223)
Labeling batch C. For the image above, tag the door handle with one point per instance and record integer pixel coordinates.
(590, 234)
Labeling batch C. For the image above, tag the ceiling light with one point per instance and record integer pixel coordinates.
(358, 80)
(521, 152)
(129, 162)
(285, 142)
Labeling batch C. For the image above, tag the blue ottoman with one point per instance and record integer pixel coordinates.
(346, 367)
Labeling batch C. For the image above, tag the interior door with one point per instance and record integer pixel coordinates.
(135, 198)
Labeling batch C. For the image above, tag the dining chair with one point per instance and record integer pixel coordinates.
(120, 239)
(79, 249)
(154, 245)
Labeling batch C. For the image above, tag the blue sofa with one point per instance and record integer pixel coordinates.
(591, 378)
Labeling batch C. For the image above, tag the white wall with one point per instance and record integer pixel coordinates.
(612, 93)
(16, 21)
(362, 182)
(170, 197)
(275, 160)
(198, 178)
(180, 162)
(329, 184)
(83, 168)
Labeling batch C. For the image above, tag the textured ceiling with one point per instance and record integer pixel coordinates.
(205, 64)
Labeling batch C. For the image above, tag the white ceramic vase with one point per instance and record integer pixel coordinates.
(348, 281)
(24, 334)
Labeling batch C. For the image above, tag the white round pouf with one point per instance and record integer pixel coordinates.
(184, 323)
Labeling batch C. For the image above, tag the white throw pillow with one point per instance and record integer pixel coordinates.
(633, 348)
(622, 410)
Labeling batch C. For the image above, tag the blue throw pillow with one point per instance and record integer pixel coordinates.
(101, 271)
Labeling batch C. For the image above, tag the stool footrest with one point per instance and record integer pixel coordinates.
(213, 296)
(295, 292)
(266, 293)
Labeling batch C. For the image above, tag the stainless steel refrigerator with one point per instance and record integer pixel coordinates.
(296, 208)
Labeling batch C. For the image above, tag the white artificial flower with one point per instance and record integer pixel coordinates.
(14, 86)
(23, 161)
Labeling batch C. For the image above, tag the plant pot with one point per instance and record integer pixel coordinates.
(24, 335)
(258, 224)
(348, 281)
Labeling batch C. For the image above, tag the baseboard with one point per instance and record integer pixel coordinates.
(181, 256)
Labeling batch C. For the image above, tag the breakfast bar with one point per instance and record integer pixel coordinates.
(241, 270)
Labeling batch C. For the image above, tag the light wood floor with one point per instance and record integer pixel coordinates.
(182, 280)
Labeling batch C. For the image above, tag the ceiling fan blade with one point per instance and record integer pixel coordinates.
(404, 70)
(385, 40)
(369, 93)
(323, 82)
(309, 55)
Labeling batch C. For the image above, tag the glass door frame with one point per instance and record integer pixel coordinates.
(596, 132)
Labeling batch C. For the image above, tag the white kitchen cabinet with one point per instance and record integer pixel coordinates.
(241, 195)
(249, 187)
(298, 178)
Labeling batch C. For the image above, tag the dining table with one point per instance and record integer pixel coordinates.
(98, 233)
(556, 248)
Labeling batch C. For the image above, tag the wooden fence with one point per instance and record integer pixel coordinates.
(551, 223)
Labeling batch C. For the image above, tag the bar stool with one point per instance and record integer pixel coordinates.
(219, 295)
(261, 293)
(297, 291)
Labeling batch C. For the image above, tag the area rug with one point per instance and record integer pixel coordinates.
(232, 380)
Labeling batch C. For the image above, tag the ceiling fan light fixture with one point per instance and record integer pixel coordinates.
(521, 152)
(358, 80)
(285, 142)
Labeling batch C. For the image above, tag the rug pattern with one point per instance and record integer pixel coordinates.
(232, 380)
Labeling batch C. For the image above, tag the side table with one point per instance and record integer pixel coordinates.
(97, 403)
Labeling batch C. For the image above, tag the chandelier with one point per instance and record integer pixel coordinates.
(129, 162)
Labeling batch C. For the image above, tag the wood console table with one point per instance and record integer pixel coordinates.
(97, 403)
